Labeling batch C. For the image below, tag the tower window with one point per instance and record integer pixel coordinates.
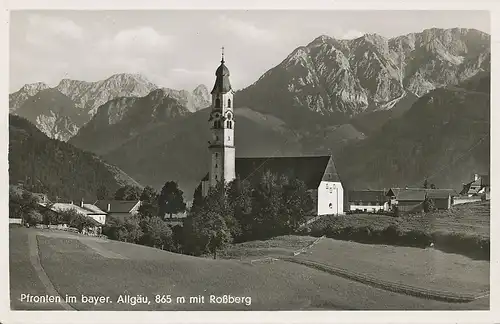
(216, 165)
(229, 124)
(217, 103)
(228, 103)
(229, 138)
(216, 154)
(217, 124)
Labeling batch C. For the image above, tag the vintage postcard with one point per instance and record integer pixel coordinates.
(205, 159)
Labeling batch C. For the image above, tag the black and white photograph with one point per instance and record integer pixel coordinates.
(249, 160)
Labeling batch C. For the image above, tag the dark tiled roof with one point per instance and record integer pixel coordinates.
(410, 195)
(417, 194)
(310, 169)
(222, 84)
(116, 206)
(366, 195)
(440, 193)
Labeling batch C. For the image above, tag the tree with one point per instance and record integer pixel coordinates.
(433, 186)
(126, 230)
(33, 217)
(149, 195)
(149, 203)
(156, 233)
(429, 205)
(128, 192)
(297, 205)
(267, 203)
(103, 193)
(171, 200)
(210, 231)
(426, 184)
(21, 202)
(240, 197)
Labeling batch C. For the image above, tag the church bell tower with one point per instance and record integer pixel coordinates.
(221, 122)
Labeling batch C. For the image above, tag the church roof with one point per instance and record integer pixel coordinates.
(222, 84)
(310, 169)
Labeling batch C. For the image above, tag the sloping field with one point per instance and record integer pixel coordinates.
(423, 268)
(79, 266)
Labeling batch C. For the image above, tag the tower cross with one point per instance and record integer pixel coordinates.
(222, 50)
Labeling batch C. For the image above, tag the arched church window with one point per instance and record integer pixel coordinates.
(217, 103)
(228, 103)
(229, 124)
(217, 124)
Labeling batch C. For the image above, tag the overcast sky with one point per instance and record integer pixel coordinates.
(181, 49)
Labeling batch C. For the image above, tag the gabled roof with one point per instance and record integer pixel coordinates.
(117, 206)
(310, 169)
(366, 195)
(420, 193)
(93, 209)
(440, 193)
(87, 209)
(410, 195)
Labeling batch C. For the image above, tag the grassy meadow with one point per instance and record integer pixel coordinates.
(77, 266)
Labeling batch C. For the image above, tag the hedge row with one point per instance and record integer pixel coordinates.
(472, 246)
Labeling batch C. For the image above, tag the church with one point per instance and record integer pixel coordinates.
(317, 172)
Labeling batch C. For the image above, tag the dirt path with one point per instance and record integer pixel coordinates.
(35, 262)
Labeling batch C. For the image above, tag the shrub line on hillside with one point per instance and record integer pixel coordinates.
(387, 285)
(474, 247)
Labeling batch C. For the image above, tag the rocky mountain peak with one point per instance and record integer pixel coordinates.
(32, 88)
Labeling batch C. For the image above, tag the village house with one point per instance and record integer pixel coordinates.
(480, 185)
(317, 172)
(412, 199)
(88, 210)
(119, 208)
(370, 201)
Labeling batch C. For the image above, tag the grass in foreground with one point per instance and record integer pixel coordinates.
(76, 269)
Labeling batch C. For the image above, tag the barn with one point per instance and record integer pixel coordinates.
(370, 201)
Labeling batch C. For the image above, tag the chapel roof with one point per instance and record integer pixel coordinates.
(309, 169)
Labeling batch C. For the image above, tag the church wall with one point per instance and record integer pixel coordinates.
(330, 198)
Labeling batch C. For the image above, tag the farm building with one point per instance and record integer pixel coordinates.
(412, 199)
(88, 210)
(119, 208)
(370, 201)
(317, 172)
(478, 186)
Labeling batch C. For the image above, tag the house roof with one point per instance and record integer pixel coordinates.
(87, 209)
(410, 195)
(440, 193)
(117, 206)
(310, 169)
(93, 209)
(417, 194)
(366, 195)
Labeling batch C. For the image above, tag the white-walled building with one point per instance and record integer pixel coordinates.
(317, 172)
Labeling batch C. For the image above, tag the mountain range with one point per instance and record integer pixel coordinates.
(61, 111)
(391, 111)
